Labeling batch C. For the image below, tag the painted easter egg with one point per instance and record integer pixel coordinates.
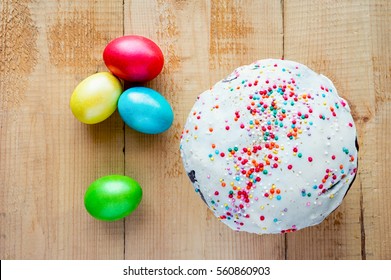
(95, 98)
(145, 110)
(112, 197)
(134, 58)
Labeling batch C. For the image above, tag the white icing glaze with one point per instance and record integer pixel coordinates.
(276, 106)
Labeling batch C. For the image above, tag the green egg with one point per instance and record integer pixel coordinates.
(112, 197)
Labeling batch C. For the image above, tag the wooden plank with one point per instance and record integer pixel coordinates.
(375, 172)
(47, 157)
(203, 41)
(331, 37)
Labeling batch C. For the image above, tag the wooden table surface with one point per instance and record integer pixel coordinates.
(48, 158)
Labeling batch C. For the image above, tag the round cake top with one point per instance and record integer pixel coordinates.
(271, 148)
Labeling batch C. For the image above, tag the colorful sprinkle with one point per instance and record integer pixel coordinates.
(273, 131)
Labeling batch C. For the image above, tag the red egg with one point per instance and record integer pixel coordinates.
(133, 58)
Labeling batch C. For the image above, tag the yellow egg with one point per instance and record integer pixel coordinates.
(95, 98)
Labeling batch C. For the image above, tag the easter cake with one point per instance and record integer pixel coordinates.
(271, 148)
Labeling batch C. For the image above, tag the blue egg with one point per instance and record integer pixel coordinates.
(145, 110)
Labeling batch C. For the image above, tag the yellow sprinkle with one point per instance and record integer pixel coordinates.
(221, 180)
(282, 148)
(232, 184)
(250, 196)
(331, 196)
(275, 152)
(273, 186)
(262, 207)
(300, 131)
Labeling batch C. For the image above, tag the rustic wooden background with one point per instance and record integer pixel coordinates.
(48, 158)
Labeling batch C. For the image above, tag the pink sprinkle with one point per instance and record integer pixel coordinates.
(227, 127)
(333, 157)
(310, 159)
(290, 166)
(242, 126)
(216, 193)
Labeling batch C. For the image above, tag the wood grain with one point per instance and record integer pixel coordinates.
(331, 37)
(48, 158)
(376, 177)
(203, 41)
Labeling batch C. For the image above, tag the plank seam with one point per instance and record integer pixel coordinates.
(124, 133)
(283, 54)
(363, 249)
(283, 26)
